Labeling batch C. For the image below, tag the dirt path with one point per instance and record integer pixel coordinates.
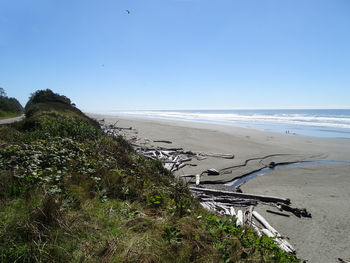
(10, 120)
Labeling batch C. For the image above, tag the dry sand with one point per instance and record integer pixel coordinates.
(323, 189)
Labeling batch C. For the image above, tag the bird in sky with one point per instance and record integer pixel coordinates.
(127, 11)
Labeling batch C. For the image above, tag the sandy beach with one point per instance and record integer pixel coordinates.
(323, 189)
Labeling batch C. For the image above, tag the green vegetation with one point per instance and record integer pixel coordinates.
(69, 193)
(9, 107)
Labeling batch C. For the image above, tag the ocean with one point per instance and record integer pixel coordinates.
(330, 123)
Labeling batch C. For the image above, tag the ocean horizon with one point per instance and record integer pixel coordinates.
(328, 123)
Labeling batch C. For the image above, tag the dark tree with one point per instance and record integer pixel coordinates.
(46, 96)
(9, 105)
(2, 92)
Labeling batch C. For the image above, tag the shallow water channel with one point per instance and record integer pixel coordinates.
(238, 182)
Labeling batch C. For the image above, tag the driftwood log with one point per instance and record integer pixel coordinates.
(263, 198)
(240, 218)
(265, 224)
(284, 244)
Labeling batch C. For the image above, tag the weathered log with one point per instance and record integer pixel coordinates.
(250, 214)
(168, 153)
(187, 175)
(160, 154)
(235, 201)
(163, 141)
(265, 223)
(186, 160)
(198, 178)
(180, 165)
(227, 210)
(176, 158)
(240, 218)
(221, 208)
(286, 243)
(121, 128)
(168, 166)
(281, 245)
(257, 230)
(276, 213)
(264, 198)
(232, 211)
(220, 155)
(205, 205)
(274, 233)
(170, 149)
(212, 171)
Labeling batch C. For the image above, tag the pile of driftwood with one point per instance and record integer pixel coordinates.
(224, 202)
(112, 129)
(174, 159)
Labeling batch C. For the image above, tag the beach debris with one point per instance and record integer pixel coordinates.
(198, 178)
(245, 196)
(277, 213)
(271, 232)
(220, 155)
(163, 141)
(283, 244)
(174, 159)
(299, 212)
(212, 171)
(343, 261)
(223, 202)
(187, 175)
(248, 217)
(265, 223)
(272, 165)
(249, 214)
(240, 218)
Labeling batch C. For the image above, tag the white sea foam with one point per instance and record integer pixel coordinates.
(254, 118)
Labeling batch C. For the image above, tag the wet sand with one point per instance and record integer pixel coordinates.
(323, 189)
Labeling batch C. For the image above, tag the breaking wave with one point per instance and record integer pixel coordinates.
(323, 123)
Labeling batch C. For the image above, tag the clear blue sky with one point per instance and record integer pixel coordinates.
(178, 54)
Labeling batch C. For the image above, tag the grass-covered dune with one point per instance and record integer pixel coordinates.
(69, 193)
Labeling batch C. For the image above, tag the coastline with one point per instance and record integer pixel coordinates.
(323, 123)
(322, 189)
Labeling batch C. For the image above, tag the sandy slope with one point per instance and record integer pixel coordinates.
(322, 189)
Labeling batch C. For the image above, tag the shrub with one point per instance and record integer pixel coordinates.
(46, 96)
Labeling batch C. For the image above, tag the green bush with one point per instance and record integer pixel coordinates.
(43, 96)
(54, 124)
